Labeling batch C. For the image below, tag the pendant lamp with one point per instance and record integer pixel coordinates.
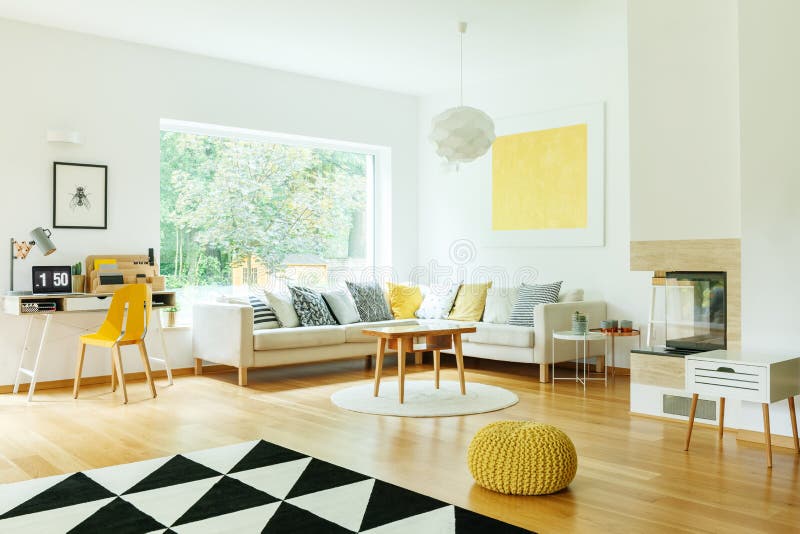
(462, 134)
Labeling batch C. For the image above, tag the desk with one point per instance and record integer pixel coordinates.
(34, 306)
(747, 376)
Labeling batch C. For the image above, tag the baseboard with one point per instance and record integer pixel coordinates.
(749, 436)
(753, 436)
(103, 379)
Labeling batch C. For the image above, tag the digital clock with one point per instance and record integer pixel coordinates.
(50, 279)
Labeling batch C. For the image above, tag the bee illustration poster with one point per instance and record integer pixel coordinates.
(80, 195)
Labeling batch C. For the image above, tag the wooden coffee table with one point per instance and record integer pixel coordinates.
(438, 337)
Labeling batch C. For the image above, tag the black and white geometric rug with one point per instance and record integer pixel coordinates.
(255, 486)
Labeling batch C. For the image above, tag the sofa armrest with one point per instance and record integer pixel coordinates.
(223, 333)
(558, 316)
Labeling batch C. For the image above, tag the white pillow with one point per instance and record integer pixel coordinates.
(499, 303)
(437, 301)
(571, 295)
(341, 304)
(281, 303)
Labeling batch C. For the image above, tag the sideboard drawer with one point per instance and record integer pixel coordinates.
(723, 379)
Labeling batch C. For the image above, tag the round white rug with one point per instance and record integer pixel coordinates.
(421, 399)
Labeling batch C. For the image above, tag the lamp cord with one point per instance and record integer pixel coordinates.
(461, 71)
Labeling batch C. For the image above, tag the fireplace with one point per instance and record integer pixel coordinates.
(696, 310)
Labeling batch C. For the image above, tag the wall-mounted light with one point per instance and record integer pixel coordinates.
(64, 136)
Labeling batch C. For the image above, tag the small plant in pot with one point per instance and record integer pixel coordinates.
(170, 313)
(78, 279)
(579, 323)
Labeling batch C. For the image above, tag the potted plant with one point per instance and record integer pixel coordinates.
(170, 313)
(579, 323)
(78, 279)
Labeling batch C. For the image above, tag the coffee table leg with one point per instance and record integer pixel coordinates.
(401, 367)
(459, 362)
(379, 364)
(436, 362)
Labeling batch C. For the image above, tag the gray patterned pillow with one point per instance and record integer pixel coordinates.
(310, 307)
(528, 298)
(370, 302)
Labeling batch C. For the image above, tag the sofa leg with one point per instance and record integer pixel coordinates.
(417, 358)
(599, 364)
(243, 376)
(198, 366)
(368, 362)
(544, 372)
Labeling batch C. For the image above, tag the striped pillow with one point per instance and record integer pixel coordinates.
(264, 317)
(528, 298)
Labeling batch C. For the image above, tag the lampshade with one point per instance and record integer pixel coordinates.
(462, 134)
(42, 239)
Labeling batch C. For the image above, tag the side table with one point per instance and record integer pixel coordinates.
(747, 376)
(579, 338)
(615, 334)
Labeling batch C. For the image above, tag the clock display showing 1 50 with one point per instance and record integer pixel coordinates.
(50, 279)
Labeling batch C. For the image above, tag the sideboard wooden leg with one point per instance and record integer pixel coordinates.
(767, 434)
(721, 416)
(793, 415)
(198, 366)
(691, 421)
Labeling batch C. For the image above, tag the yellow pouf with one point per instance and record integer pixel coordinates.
(522, 458)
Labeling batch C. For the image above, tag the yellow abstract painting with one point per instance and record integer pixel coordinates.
(539, 179)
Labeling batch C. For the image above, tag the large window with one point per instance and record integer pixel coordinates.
(239, 212)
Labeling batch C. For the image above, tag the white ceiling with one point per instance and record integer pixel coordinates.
(409, 46)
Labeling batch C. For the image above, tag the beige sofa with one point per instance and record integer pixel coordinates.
(223, 334)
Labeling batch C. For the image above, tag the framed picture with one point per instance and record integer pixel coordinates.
(80, 195)
(545, 180)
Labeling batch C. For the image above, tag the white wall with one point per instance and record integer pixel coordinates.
(770, 114)
(115, 93)
(684, 119)
(452, 204)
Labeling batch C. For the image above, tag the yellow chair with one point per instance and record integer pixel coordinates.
(126, 324)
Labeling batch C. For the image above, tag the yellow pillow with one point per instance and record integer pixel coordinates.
(404, 300)
(470, 302)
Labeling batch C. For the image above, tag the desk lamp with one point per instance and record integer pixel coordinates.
(20, 250)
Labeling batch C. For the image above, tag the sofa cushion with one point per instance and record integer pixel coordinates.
(284, 309)
(437, 301)
(499, 303)
(303, 336)
(470, 302)
(501, 334)
(341, 304)
(404, 300)
(353, 333)
(370, 301)
(310, 307)
(530, 296)
(571, 295)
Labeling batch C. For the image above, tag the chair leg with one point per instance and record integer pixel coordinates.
(113, 373)
(148, 373)
(120, 372)
(78, 369)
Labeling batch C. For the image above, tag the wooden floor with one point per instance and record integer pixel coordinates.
(633, 475)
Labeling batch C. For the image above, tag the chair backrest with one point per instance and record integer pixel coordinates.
(131, 326)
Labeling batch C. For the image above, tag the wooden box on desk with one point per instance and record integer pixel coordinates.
(130, 266)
